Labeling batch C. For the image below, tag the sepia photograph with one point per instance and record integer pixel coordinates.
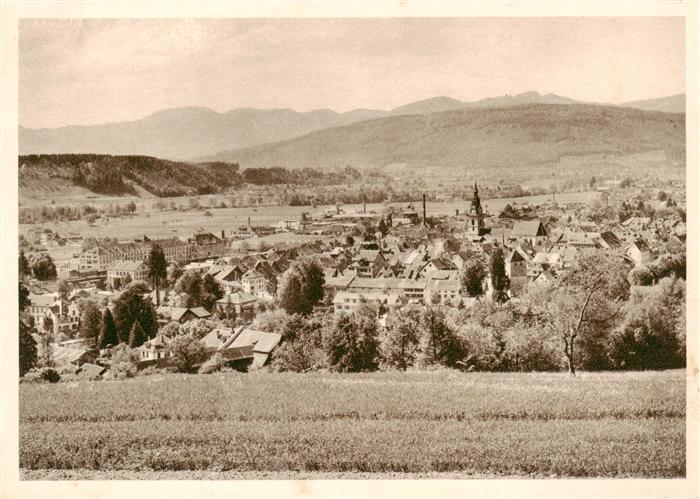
(351, 247)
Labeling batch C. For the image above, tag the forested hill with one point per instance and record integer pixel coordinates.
(105, 174)
(518, 136)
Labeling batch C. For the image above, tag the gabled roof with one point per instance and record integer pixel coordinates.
(262, 342)
(238, 298)
(252, 274)
(200, 312)
(641, 245)
(528, 228)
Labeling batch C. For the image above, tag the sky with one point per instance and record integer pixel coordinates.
(89, 71)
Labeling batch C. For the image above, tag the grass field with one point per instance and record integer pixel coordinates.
(393, 424)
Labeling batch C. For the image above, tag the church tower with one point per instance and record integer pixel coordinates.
(475, 216)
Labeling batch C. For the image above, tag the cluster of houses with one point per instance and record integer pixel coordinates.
(411, 261)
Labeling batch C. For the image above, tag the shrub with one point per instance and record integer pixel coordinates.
(214, 364)
(42, 375)
(123, 363)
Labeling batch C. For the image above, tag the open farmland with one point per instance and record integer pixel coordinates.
(415, 424)
(159, 224)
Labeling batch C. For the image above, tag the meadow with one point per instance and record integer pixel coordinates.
(423, 423)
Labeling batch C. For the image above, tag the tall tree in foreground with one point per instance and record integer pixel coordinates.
(157, 268)
(352, 344)
(439, 343)
(136, 335)
(400, 343)
(90, 324)
(27, 344)
(302, 288)
(108, 331)
(499, 279)
(584, 302)
(130, 307)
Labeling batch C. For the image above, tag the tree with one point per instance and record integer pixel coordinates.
(382, 228)
(211, 292)
(351, 344)
(170, 330)
(136, 335)
(499, 279)
(472, 278)
(303, 287)
(43, 267)
(592, 183)
(108, 331)
(64, 287)
(291, 298)
(27, 349)
(198, 328)
(130, 307)
(24, 268)
(157, 268)
(400, 344)
(439, 343)
(47, 343)
(90, 324)
(23, 296)
(583, 304)
(651, 336)
(191, 284)
(187, 351)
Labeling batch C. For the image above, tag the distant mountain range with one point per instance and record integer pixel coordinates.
(492, 137)
(194, 132)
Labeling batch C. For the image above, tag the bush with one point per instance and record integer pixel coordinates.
(213, 365)
(123, 363)
(42, 375)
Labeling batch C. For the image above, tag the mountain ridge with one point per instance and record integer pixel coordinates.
(188, 132)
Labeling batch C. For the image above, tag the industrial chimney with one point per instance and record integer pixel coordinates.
(364, 203)
(424, 210)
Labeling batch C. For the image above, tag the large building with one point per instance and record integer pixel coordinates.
(101, 257)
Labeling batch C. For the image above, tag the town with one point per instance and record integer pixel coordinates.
(208, 302)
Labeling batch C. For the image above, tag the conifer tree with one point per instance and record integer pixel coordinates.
(108, 331)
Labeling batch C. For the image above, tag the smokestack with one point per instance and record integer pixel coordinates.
(364, 204)
(249, 222)
(457, 212)
(223, 235)
(423, 209)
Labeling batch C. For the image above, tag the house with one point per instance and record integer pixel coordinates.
(154, 349)
(368, 263)
(532, 231)
(182, 314)
(66, 356)
(237, 304)
(516, 263)
(90, 371)
(639, 253)
(121, 271)
(445, 290)
(263, 344)
(253, 283)
(609, 240)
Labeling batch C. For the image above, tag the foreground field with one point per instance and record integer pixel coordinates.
(327, 425)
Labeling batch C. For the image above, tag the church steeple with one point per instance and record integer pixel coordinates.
(475, 217)
(476, 202)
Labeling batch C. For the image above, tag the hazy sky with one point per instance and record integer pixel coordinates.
(97, 71)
